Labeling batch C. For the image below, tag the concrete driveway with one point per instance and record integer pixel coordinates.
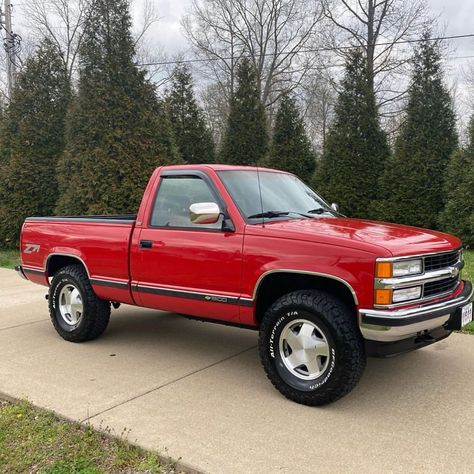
(196, 392)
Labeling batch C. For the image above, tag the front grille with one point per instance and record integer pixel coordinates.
(443, 260)
(440, 278)
(439, 287)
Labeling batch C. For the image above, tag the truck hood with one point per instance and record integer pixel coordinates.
(377, 237)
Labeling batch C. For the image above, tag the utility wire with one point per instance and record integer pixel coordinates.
(12, 45)
(312, 50)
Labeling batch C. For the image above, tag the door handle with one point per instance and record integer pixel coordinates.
(146, 244)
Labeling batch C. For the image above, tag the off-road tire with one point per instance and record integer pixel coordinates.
(337, 323)
(96, 312)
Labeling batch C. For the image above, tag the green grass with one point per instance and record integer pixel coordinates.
(468, 274)
(9, 258)
(35, 440)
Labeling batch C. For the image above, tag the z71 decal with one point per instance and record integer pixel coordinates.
(31, 248)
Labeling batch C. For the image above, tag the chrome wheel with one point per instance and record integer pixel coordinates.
(304, 349)
(70, 305)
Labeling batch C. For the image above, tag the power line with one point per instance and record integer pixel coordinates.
(470, 56)
(311, 50)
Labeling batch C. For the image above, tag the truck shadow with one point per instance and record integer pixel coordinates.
(401, 381)
(151, 329)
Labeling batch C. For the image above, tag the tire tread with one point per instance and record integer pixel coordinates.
(97, 309)
(342, 321)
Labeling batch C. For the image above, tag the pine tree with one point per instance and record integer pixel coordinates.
(413, 182)
(356, 147)
(457, 216)
(32, 139)
(245, 140)
(193, 137)
(291, 149)
(117, 132)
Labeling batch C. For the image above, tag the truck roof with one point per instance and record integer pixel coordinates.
(220, 167)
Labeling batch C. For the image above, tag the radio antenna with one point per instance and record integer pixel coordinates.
(260, 194)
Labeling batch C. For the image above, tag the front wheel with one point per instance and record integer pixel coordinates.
(76, 312)
(311, 348)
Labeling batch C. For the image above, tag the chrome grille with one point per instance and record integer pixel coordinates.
(440, 277)
(443, 260)
(439, 287)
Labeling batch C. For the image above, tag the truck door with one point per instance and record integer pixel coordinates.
(184, 267)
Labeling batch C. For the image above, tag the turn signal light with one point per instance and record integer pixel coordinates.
(383, 296)
(383, 269)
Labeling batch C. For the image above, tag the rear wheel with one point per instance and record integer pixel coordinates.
(76, 312)
(311, 348)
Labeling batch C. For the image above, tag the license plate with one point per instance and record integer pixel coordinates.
(466, 314)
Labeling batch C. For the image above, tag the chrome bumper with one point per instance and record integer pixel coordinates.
(394, 325)
(19, 270)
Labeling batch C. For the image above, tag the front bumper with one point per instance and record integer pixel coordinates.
(396, 325)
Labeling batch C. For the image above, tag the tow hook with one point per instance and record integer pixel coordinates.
(115, 304)
(424, 337)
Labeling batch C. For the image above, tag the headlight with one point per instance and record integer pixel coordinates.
(407, 267)
(399, 268)
(406, 294)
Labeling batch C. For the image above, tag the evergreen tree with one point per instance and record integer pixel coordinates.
(117, 132)
(457, 216)
(245, 140)
(412, 184)
(291, 149)
(193, 137)
(356, 147)
(32, 138)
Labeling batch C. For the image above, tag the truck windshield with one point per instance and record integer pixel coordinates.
(284, 196)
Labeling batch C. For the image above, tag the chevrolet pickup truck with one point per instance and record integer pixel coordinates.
(257, 248)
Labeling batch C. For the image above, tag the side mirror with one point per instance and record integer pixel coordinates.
(335, 207)
(204, 213)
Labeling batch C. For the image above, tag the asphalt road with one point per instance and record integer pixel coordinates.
(196, 391)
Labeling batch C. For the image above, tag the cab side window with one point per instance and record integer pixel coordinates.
(175, 195)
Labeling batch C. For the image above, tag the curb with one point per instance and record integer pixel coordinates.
(179, 466)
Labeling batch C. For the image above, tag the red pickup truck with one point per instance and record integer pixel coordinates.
(256, 248)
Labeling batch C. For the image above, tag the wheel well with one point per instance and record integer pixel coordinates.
(56, 262)
(278, 284)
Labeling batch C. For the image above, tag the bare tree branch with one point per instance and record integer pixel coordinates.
(378, 26)
(149, 18)
(273, 33)
(61, 21)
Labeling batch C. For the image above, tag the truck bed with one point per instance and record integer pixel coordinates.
(101, 242)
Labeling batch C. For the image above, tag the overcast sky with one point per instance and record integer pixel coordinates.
(455, 16)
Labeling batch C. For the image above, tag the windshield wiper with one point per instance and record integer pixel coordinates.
(319, 210)
(272, 214)
(268, 214)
